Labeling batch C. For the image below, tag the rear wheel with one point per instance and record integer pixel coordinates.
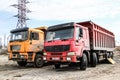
(93, 60)
(83, 62)
(39, 61)
(22, 63)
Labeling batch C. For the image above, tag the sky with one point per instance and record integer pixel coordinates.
(105, 13)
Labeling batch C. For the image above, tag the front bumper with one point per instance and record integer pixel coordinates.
(16, 56)
(60, 58)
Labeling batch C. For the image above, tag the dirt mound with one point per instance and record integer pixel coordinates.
(117, 48)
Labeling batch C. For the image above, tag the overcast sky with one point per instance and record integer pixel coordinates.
(105, 13)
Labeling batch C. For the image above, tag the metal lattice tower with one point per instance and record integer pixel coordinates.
(22, 10)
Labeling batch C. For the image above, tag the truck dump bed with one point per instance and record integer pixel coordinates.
(43, 28)
(100, 38)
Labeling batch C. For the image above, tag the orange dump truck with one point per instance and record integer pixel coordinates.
(26, 46)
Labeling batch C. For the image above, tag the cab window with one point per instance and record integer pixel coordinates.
(79, 33)
(34, 36)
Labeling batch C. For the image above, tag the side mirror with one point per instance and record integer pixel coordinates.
(31, 35)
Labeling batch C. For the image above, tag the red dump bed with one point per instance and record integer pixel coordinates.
(100, 38)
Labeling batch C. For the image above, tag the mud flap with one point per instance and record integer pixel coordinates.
(111, 60)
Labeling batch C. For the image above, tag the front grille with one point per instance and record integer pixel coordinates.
(56, 53)
(15, 53)
(15, 47)
(58, 48)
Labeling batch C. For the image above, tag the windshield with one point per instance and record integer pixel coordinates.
(19, 36)
(59, 34)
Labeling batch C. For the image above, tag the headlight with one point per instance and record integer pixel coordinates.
(71, 53)
(44, 58)
(21, 56)
(44, 54)
(68, 59)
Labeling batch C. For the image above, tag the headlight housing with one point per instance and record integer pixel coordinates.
(44, 54)
(71, 53)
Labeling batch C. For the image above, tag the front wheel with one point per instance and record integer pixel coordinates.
(83, 62)
(22, 63)
(39, 61)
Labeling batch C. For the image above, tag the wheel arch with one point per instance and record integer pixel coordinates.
(39, 52)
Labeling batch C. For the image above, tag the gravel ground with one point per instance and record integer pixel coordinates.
(9, 70)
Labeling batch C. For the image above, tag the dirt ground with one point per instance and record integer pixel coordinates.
(9, 70)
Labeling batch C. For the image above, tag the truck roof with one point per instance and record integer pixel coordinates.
(43, 28)
(19, 29)
(59, 26)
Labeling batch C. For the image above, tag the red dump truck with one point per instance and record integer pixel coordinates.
(82, 43)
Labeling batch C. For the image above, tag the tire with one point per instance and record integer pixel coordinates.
(83, 62)
(93, 60)
(39, 61)
(57, 65)
(22, 63)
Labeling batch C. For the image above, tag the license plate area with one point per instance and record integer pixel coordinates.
(56, 58)
(14, 56)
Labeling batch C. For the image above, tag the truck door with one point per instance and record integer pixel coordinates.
(79, 34)
(79, 40)
(34, 41)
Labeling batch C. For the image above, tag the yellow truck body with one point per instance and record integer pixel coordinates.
(26, 46)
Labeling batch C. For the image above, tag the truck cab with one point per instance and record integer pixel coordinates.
(26, 46)
(65, 43)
